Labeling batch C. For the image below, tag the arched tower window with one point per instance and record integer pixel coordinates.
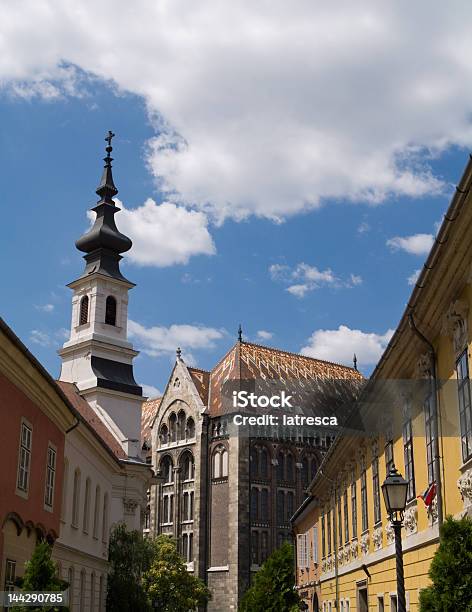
(84, 310)
(173, 428)
(181, 421)
(164, 434)
(167, 469)
(110, 311)
(220, 462)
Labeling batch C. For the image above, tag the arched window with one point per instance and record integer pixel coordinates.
(217, 465)
(167, 470)
(305, 477)
(70, 579)
(164, 434)
(280, 466)
(173, 427)
(83, 578)
(290, 476)
(290, 508)
(110, 311)
(254, 462)
(76, 498)
(280, 507)
(105, 518)
(254, 504)
(264, 505)
(92, 591)
(181, 425)
(84, 310)
(255, 548)
(96, 512)
(188, 467)
(88, 486)
(224, 463)
(190, 428)
(264, 463)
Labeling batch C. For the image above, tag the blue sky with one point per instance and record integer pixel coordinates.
(307, 243)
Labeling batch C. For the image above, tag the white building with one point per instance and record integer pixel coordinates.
(106, 478)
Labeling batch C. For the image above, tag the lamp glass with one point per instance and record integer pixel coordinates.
(395, 491)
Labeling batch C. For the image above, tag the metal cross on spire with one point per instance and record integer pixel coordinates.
(108, 138)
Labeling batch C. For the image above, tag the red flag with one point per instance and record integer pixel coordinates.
(428, 495)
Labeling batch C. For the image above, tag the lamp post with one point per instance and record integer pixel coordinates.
(395, 490)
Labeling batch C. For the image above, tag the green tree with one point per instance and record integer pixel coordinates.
(41, 575)
(129, 555)
(168, 584)
(451, 570)
(272, 588)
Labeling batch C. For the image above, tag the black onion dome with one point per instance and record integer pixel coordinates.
(104, 233)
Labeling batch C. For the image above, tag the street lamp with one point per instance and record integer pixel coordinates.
(395, 490)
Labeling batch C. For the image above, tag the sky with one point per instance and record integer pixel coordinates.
(280, 165)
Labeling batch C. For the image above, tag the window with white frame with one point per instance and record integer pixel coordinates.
(302, 550)
(50, 477)
(96, 512)
(10, 575)
(465, 405)
(24, 459)
(76, 498)
(315, 544)
(380, 603)
(393, 603)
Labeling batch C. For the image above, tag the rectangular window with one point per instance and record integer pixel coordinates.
(380, 604)
(346, 518)
(315, 544)
(328, 526)
(376, 489)
(340, 524)
(10, 575)
(393, 603)
(302, 550)
(365, 516)
(389, 460)
(354, 508)
(50, 477)
(323, 536)
(465, 406)
(408, 458)
(429, 416)
(24, 459)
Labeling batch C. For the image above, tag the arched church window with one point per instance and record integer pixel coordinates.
(220, 462)
(290, 473)
(216, 465)
(173, 427)
(188, 466)
(167, 470)
(224, 463)
(181, 425)
(84, 310)
(280, 466)
(164, 434)
(110, 311)
(190, 428)
(264, 463)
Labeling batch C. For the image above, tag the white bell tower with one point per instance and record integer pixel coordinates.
(98, 357)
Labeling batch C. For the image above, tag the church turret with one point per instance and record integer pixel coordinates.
(97, 356)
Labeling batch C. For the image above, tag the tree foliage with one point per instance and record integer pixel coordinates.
(129, 555)
(168, 584)
(41, 575)
(451, 570)
(272, 589)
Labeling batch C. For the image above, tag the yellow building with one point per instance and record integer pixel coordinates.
(432, 343)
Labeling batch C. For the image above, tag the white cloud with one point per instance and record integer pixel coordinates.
(165, 234)
(264, 335)
(157, 341)
(414, 277)
(309, 278)
(339, 345)
(266, 108)
(151, 391)
(39, 337)
(45, 307)
(418, 244)
(363, 228)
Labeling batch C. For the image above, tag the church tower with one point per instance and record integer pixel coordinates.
(98, 357)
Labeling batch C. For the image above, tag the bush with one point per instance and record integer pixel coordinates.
(273, 585)
(451, 570)
(41, 575)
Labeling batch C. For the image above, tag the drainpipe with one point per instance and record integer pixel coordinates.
(437, 457)
(72, 427)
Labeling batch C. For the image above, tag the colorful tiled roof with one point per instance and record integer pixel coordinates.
(148, 413)
(88, 414)
(201, 379)
(247, 361)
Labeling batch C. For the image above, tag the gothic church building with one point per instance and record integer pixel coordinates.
(228, 499)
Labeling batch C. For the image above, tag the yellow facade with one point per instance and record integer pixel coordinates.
(358, 570)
